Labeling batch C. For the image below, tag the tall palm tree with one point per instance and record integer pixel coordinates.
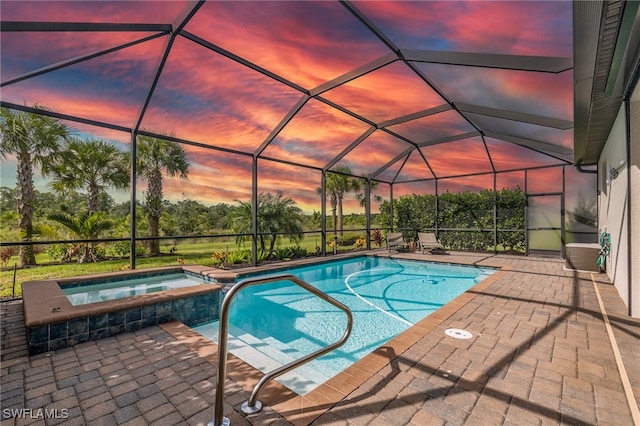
(93, 165)
(155, 156)
(338, 184)
(86, 226)
(35, 140)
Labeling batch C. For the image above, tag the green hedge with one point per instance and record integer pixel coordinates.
(462, 211)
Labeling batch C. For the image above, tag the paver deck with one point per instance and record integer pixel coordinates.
(540, 355)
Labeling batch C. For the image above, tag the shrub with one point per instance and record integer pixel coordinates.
(99, 252)
(119, 249)
(58, 252)
(348, 239)
(376, 236)
(298, 251)
(140, 250)
(219, 258)
(262, 256)
(239, 256)
(282, 253)
(7, 253)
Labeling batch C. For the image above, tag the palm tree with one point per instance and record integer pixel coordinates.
(155, 156)
(360, 193)
(86, 226)
(92, 164)
(35, 140)
(276, 215)
(338, 184)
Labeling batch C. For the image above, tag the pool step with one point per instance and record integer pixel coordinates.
(268, 354)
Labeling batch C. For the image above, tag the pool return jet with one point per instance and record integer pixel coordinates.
(253, 405)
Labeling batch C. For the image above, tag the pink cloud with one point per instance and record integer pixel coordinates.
(300, 184)
(410, 188)
(458, 157)
(414, 168)
(433, 126)
(123, 78)
(387, 93)
(27, 52)
(204, 97)
(512, 27)
(306, 42)
(510, 180)
(508, 156)
(532, 92)
(544, 180)
(215, 100)
(372, 153)
(315, 135)
(470, 183)
(140, 11)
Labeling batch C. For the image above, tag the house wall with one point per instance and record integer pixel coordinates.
(635, 201)
(613, 204)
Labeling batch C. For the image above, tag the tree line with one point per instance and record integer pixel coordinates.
(82, 170)
(85, 167)
(45, 144)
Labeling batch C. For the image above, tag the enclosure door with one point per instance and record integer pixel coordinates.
(544, 225)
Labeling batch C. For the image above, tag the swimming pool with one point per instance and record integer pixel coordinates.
(82, 293)
(273, 324)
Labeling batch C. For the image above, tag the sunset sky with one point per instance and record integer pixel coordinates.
(240, 68)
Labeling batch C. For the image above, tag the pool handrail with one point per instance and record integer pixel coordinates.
(253, 405)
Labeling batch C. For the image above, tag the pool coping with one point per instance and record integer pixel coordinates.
(304, 409)
(45, 303)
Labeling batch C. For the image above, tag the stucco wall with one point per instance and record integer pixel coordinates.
(613, 205)
(635, 202)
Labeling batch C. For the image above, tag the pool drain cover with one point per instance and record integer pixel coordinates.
(457, 333)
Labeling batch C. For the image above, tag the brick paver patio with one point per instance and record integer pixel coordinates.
(540, 355)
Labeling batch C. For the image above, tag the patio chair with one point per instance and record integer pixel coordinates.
(396, 240)
(429, 241)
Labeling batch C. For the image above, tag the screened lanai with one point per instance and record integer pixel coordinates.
(401, 99)
(204, 136)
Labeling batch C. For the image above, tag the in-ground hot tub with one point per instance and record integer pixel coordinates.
(115, 302)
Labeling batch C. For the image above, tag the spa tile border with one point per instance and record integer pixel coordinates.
(54, 323)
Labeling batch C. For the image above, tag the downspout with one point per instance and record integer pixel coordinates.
(627, 113)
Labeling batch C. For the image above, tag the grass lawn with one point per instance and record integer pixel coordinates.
(187, 252)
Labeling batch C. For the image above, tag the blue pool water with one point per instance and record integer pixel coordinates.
(91, 292)
(275, 323)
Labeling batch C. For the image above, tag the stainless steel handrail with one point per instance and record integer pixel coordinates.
(253, 405)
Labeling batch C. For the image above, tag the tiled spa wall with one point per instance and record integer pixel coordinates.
(191, 310)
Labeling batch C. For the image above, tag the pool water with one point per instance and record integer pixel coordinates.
(91, 292)
(273, 324)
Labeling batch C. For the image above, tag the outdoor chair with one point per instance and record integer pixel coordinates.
(396, 240)
(429, 241)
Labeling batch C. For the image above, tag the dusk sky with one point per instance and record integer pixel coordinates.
(261, 59)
